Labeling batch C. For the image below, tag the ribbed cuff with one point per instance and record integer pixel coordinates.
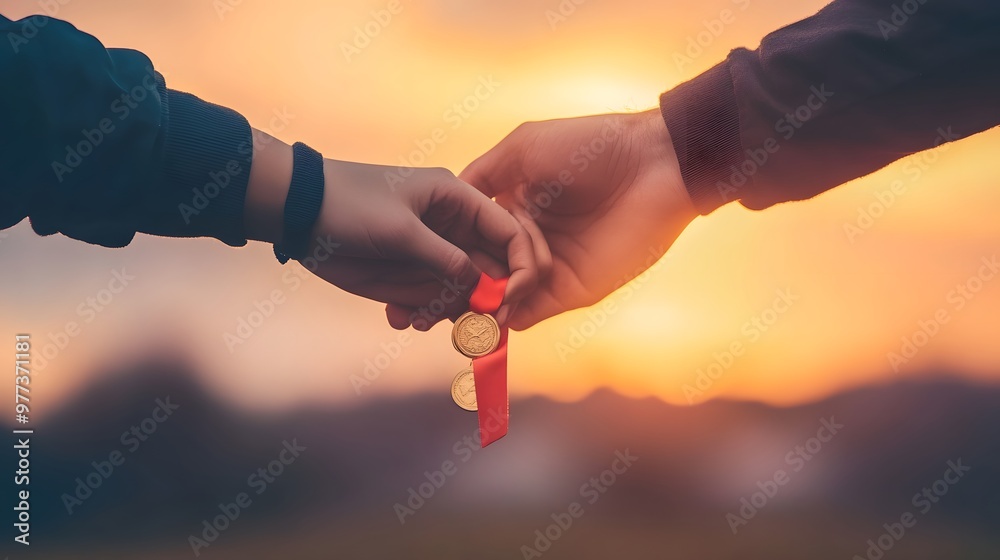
(703, 119)
(207, 156)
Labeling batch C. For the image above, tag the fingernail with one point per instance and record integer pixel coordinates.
(502, 315)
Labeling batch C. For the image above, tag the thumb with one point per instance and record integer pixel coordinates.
(501, 168)
(445, 261)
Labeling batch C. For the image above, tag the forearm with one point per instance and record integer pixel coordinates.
(96, 147)
(835, 97)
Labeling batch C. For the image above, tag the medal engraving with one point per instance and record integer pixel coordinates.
(475, 334)
(463, 390)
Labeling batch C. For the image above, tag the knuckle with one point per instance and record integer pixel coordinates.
(524, 128)
(456, 265)
(440, 174)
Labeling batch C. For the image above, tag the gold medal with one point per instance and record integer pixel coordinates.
(463, 390)
(475, 334)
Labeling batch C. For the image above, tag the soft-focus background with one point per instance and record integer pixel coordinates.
(865, 276)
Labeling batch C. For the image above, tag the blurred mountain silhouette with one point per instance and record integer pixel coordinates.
(694, 466)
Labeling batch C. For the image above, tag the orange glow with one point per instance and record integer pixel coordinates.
(856, 298)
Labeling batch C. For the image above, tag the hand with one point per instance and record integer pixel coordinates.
(412, 244)
(606, 194)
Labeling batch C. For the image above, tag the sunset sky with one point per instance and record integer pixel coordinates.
(855, 297)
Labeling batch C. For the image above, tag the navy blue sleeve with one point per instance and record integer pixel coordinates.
(835, 97)
(94, 145)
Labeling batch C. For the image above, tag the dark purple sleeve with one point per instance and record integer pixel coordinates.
(835, 97)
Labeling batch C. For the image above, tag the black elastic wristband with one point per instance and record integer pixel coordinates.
(305, 197)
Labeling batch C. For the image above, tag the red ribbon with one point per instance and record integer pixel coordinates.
(490, 371)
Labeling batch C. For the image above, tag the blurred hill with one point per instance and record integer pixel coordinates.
(695, 464)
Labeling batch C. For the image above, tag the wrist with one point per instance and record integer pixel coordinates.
(267, 189)
(658, 147)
